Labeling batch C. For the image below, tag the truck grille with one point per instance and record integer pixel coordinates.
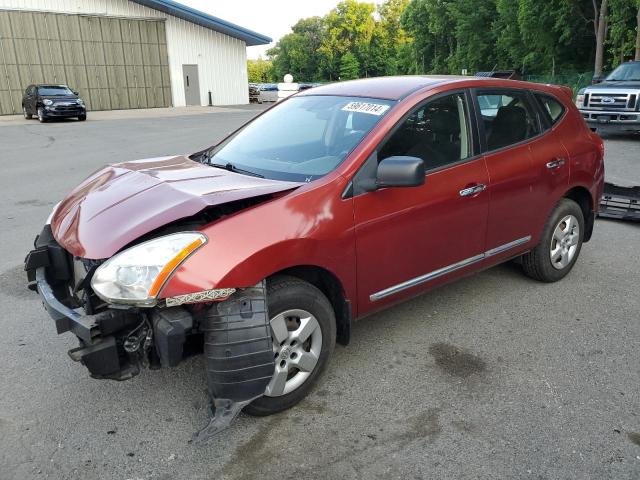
(612, 101)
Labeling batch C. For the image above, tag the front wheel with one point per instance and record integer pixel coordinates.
(82, 118)
(556, 254)
(41, 117)
(303, 327)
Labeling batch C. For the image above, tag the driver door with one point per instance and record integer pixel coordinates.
(410, 239)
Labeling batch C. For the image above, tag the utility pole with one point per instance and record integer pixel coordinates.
(600, 24)
(637, 57)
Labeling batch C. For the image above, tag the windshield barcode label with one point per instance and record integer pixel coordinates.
(361, 107)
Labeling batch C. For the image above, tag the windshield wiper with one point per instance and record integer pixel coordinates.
(232, 168)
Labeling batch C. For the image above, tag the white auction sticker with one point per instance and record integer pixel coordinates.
(362, 107)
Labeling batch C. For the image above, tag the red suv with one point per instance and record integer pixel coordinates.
(335, 203)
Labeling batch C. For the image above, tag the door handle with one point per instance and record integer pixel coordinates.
(469, 191)
(557, 163)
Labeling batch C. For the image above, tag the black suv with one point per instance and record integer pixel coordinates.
(52, 101)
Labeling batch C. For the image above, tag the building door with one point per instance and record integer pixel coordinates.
(114, 63)
(191, 84)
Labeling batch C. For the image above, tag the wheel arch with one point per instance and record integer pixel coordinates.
(331, 286)
(583, 198)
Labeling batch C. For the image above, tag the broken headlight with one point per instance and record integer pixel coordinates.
(136, 275)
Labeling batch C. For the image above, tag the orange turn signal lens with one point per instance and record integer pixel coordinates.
(168, 269)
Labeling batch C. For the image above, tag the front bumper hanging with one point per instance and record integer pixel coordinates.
(621, 203)
(239, 355)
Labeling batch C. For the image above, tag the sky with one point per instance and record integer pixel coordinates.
(273, 19)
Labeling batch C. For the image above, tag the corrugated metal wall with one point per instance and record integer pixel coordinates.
(221, 59)
(113, 63)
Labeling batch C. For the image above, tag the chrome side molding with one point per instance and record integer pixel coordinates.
(507, 246)
(448, 269)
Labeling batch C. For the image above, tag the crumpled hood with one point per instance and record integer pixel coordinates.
(121, 202)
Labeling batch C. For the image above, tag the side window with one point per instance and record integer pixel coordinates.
(507, 117)
(437, 132)
(551, 106)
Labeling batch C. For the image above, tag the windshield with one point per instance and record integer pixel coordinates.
(53, 90)
(301, 139)
(626, 72)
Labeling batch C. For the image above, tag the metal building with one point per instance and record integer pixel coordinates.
(121, 54)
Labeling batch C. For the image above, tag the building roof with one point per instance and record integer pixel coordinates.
(205, 20)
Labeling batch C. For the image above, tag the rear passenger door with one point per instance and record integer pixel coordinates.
(508, 121)
(550, 157)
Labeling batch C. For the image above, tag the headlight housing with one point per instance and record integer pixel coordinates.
(580, 100)
(135, 276)
(47, 102)
(80, 101)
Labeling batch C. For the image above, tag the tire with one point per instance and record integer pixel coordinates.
(561, 240)
(41, 117)
(82, 118)
(27, 116)
(299, 299)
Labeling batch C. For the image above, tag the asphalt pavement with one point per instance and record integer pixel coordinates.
(495, 376)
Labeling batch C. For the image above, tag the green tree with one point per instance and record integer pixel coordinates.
(474, 38)
(349, 67)
(510, 47)
(389, 39)
(432, 30)
(622, 23)
(260, 71)
(297, 52)
(349, 28)
(444, 36)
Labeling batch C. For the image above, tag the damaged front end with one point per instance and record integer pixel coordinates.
(128, 330)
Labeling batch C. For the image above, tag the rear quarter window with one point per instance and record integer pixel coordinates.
(551, 107)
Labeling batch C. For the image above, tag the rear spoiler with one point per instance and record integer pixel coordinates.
(568, 91)
(621, 203)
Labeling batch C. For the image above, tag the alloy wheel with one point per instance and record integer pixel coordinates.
(297, 342)
(564, 242)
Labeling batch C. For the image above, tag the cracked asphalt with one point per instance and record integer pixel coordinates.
(494, 376)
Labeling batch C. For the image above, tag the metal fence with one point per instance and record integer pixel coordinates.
(575, 81)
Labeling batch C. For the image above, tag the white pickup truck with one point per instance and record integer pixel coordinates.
(613, 104)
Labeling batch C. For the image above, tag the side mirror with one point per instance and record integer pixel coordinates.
(597, 79)
(400, 172)
(75, 93)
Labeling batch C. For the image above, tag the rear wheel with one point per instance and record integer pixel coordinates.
(25, 113)
(556, 254)
(303, 328)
